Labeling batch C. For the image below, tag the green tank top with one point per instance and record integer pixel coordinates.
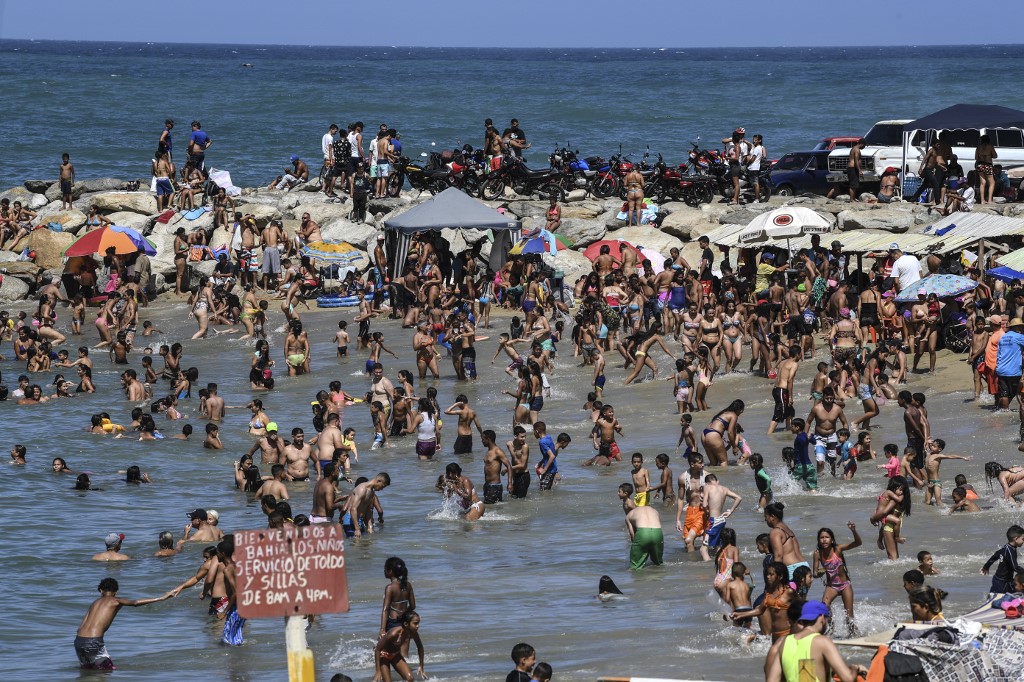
(797, 662)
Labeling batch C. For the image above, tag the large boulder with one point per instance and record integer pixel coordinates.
(742, 215)
(13, 290)
(321, 213)
(682, 221)
(136, 202)
(52, 192)
(649, 237)
(48, 245)
(8, 256)
(587, 210)
(528, 209)
(891, 220)
(261, 212)
(582, 232)
(573, 265)
(37, 202)
(203, 222)
(19, 194)
(101, 185)
(38, 186)
(575, 196)
(359, 235)
(72, 220)
(135, 221)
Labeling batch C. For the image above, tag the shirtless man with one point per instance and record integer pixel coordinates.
(359, 506)
(325, 496)
(275, 485)
(713, 501)
(247, 254)
(297, 455)
(603, 436)
(273, 235)
(214, 404)
(200, 529)
(163, 172)
(113, 552)
(89, 645)
(270, 445)
(824, 416)
(381, 389)
(454, 484)
(464, 432)
(519, 454)
(133, 388)
(494, 461)
(690, 495)
(329, 440)
(645, 535)
(918, 430)
(604, 263)
(853, 169)
(203, 574)
(309, 230)
(783, 391)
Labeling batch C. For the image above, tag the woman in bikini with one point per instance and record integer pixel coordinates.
(868, 305)
(830, 561)
(222, 204)
(867, 388)
(845, 338)
(94, 220)
(726, 556)
(523, 396)
(634, 196)
(777, 597)
(1010, 480)
(201, 308)
(710, 337)
(107, 319)
(714, 436)
(180, 249)
(553, 217)
(258, 422)
(398, 598)
(732, 325)
(388, 652)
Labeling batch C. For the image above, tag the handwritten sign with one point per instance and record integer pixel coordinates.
(298, 570)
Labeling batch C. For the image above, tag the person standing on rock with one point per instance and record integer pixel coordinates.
(853, 169)
(272, 236)
(514, 138)
(198, 143)
(164, 144)
(327, 148)
(356, 155)
(163, 171)
(67, 181)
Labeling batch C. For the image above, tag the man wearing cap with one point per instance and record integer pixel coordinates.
(906, 269)
(299, 172)
(838, 261)
(113, 551)
(809, 651)
(961, 200)
(1008, 363)
(270, 445)
(766, 269)
(199, 528)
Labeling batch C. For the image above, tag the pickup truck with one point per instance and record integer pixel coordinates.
(884, 148)
(801, 172)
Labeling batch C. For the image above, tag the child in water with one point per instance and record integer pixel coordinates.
(762, 480)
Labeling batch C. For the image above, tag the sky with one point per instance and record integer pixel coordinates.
(514, 23)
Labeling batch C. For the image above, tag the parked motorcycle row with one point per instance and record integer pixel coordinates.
(695, 182)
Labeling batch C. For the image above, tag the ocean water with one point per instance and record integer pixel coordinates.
(528, 571)
(105, 103)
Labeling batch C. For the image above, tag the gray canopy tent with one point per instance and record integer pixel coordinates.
(454, 209)
(961, 117)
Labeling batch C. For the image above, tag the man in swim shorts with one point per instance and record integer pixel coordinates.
(89, 645)
(494, 461)
(824, 416)
(648, 542)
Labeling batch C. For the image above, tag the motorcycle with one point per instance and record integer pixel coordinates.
(606, 178)
(677, 184)
(523, 181)
(420, 178)
(456, 168)
(723, 178)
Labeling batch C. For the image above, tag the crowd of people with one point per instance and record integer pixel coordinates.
(687, 324)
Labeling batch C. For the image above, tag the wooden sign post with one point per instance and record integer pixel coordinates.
(293, 572)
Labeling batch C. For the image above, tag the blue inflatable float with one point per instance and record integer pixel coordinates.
(336, 301)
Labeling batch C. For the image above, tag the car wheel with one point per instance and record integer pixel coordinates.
(785, 191)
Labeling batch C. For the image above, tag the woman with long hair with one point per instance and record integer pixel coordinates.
(830, 562)
(721, 433)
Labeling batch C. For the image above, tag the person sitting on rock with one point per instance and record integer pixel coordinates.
(299, 172)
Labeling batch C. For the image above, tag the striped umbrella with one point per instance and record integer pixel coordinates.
(342, 253)
(125, 240)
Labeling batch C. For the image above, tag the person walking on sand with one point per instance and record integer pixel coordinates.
(89, 645)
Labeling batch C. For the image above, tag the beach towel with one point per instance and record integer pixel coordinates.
(195, 213)
(233, 625)
(166, 216)
(56, 227)
(222, 178)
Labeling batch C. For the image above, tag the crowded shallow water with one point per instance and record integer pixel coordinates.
(527, 571)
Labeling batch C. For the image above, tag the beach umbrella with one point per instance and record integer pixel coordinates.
(594, 250)
(125, 240)
(1005, 273)
(942, 286)
(538, 244)
(786, 223)
(657, 260)
(342, 253)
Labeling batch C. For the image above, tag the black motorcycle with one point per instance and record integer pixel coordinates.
(523, 181)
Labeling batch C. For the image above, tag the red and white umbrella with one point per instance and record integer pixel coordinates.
(786, 223)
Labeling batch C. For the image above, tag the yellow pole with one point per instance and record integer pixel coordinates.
(300, 658)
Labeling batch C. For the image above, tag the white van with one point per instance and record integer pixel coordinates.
(884, 148)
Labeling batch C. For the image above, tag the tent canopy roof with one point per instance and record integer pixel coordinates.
(451, 208)
(969, 116)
